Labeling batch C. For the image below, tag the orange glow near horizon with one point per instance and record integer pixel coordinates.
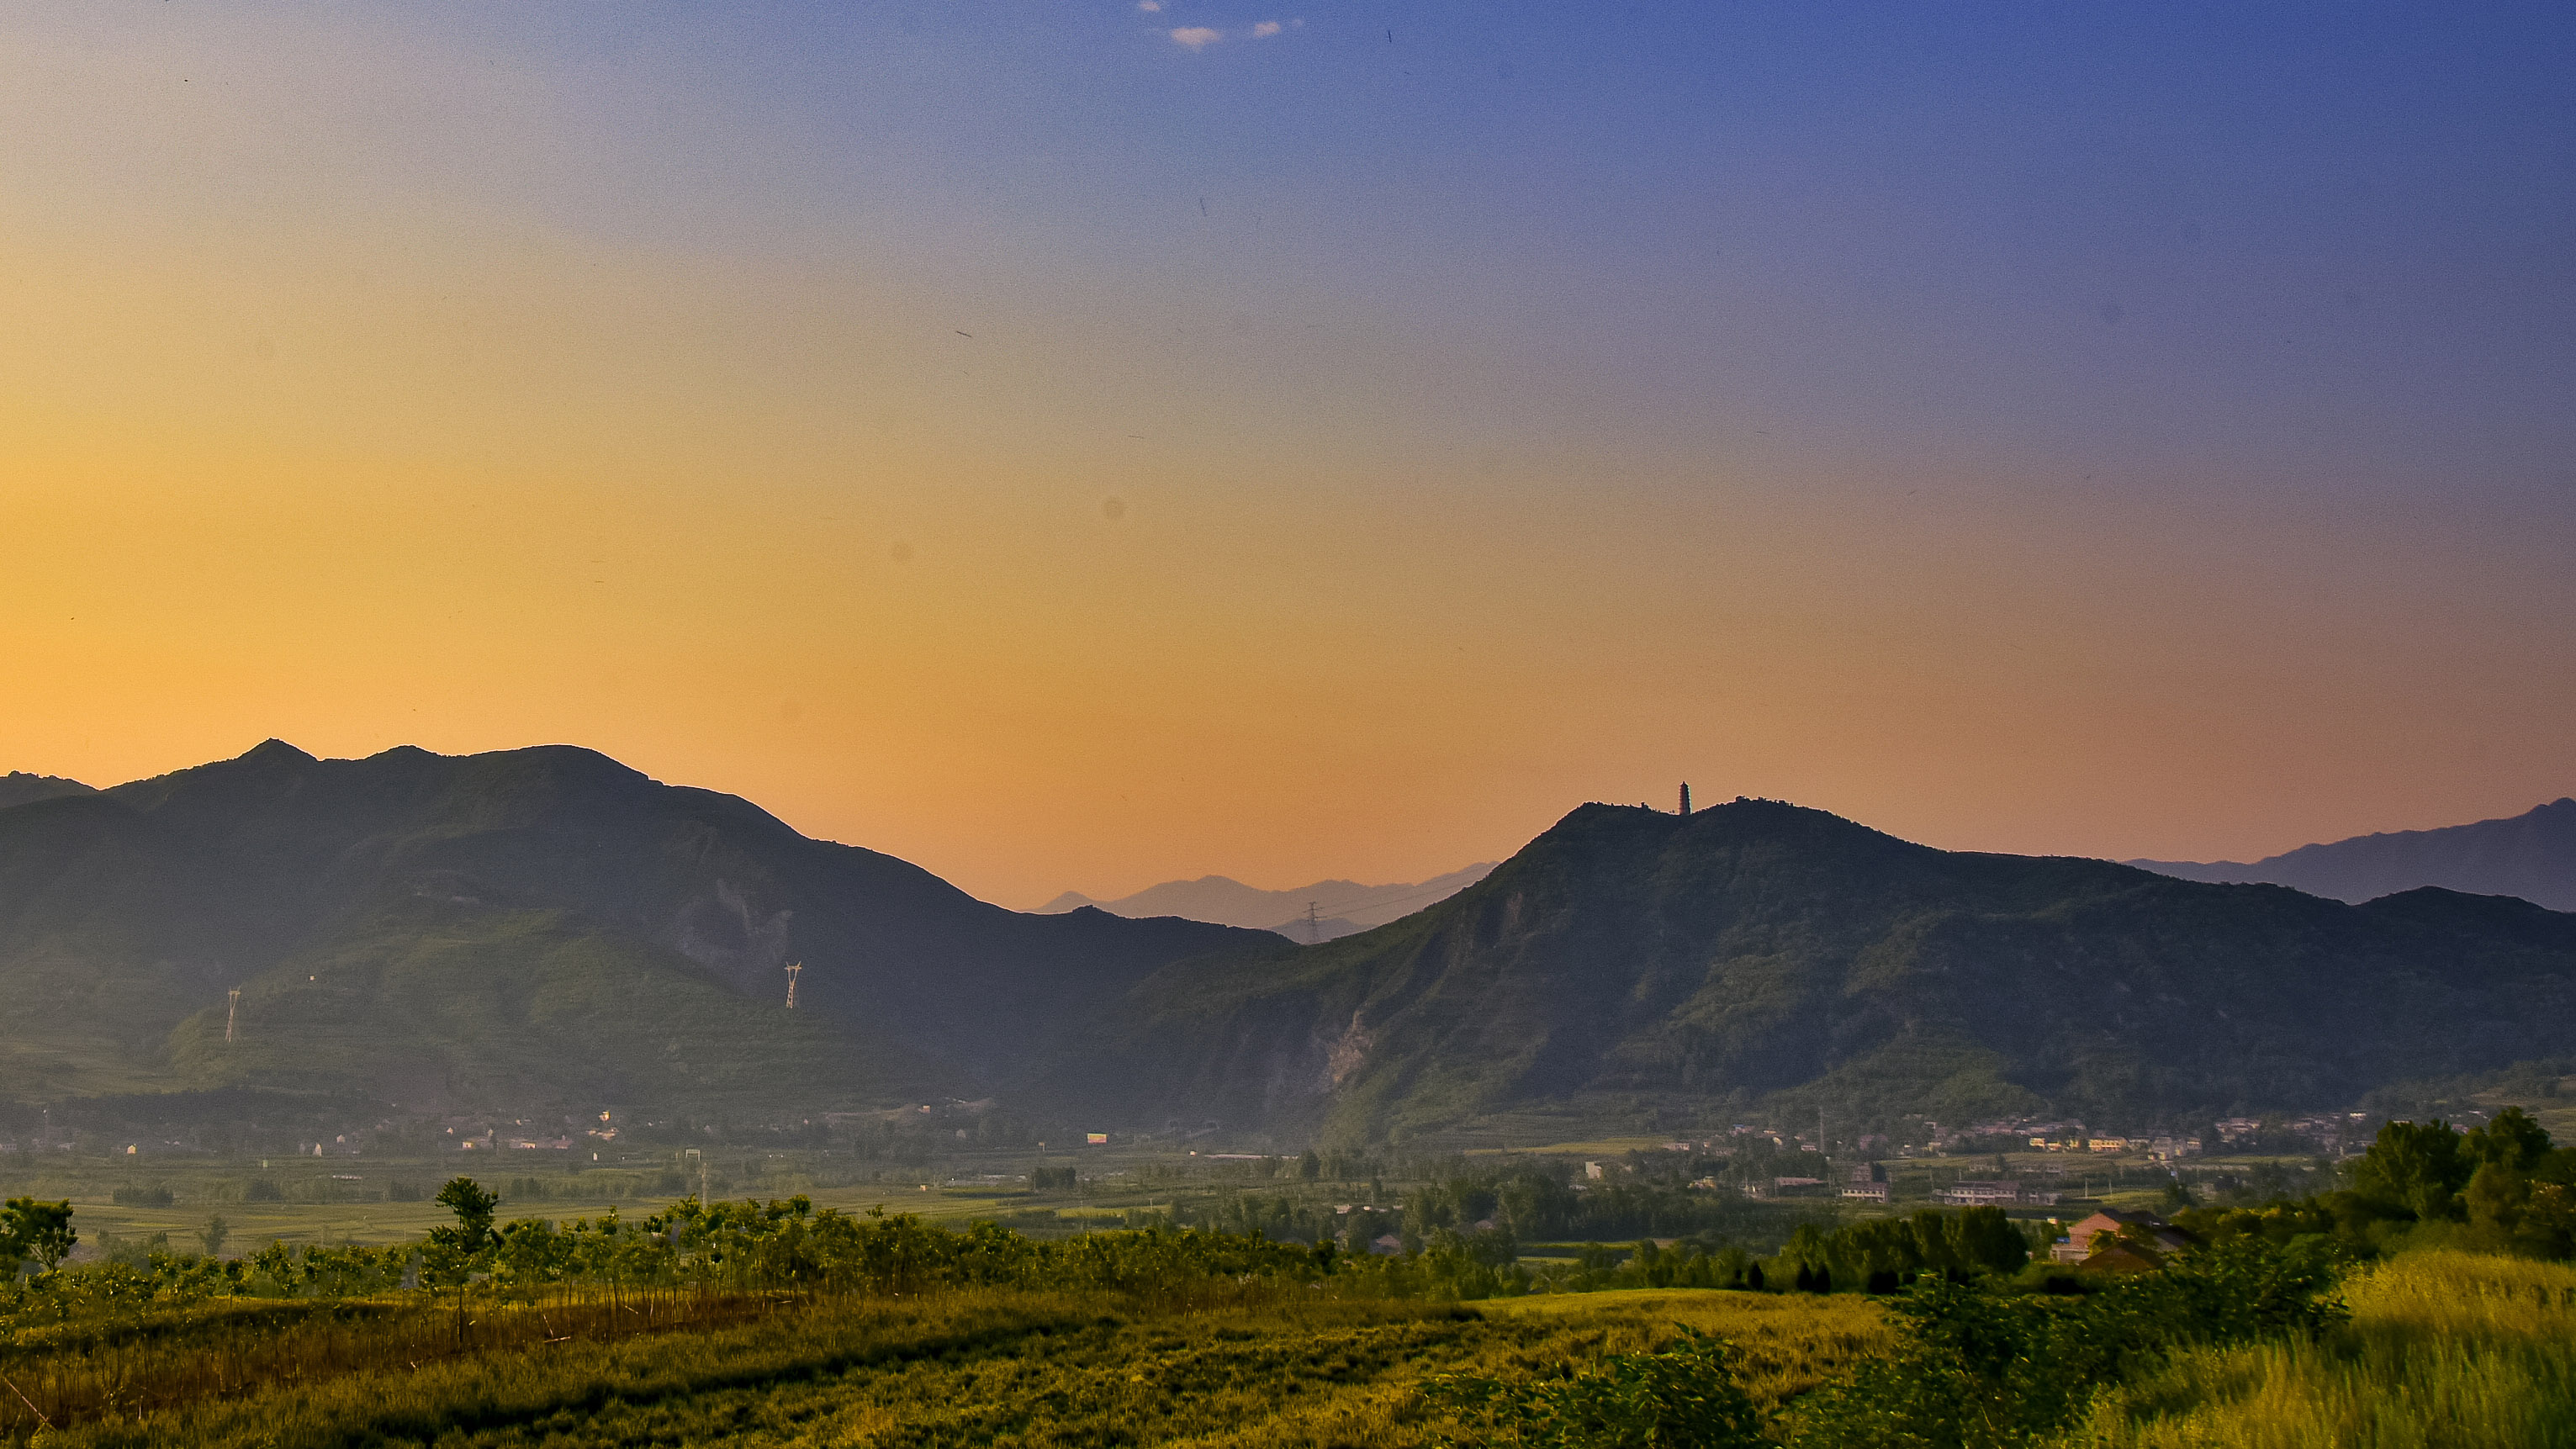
(1048, 571)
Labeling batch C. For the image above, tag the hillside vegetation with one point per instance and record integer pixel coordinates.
(1761, 953)
(527, 927)
(545, 932)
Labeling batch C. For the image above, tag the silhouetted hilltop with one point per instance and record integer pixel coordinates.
(1759, 952)
(19, 788)
(549, 925)
(488, 927)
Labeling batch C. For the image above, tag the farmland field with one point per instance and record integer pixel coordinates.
(1025, 1368)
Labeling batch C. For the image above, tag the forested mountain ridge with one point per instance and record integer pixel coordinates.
(547, 924)
(2531, 855)
(524, 925)
(1762, 953)
(20, 788)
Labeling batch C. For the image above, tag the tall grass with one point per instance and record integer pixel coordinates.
(2445, 1350)
(1279, 1366)
(74, 1373)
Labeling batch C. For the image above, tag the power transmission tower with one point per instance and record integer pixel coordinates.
(1314, 928)
(230, 1011)
(793, 967)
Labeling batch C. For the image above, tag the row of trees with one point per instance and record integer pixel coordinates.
(788, 1246)
(2502, 1187)
(1524, 1205)
(779, 1246)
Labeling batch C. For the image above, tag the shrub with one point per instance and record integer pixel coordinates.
(1686, 1397)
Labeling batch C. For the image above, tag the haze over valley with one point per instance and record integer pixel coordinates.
(1324, 911)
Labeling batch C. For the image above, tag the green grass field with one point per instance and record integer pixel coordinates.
(210, 1190)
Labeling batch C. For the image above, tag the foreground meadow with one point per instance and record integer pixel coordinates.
(1277, 1367)
(774, 1324)
(2445, 1350)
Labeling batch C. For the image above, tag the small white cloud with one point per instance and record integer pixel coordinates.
(1265, 30)
(1196, 37)
(1149, 6)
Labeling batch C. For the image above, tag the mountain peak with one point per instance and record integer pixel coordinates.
(276, 751)
(20, 788)
(1776, 958)
(272, 871)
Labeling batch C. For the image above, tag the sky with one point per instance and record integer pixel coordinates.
(1073, 444)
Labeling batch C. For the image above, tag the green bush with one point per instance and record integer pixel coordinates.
(1686, 1397)
(1980, 1370)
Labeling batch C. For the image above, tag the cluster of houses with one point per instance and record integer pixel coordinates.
(2115, 1241)
(1868, 1183)
(2162, 1149)
(2336, 1132)
(2075, 1137)
(1993, 1193)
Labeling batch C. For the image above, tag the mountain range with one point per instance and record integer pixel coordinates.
(1339, 907)
(1762, 957)
(538, 925)
(546, 926)
(2531, 855)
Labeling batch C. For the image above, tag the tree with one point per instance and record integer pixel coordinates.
(212, 1235)
(453, 1253)
(2513, 1141)
(473, 1207)
(1986, 1237)
(2414, 1168)
(1309, 1166)
(38, 1230)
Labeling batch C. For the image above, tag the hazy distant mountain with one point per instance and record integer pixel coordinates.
(2531, 855)
(1342, 907)
(18, 788)
(512, 928)
(1758, 953)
